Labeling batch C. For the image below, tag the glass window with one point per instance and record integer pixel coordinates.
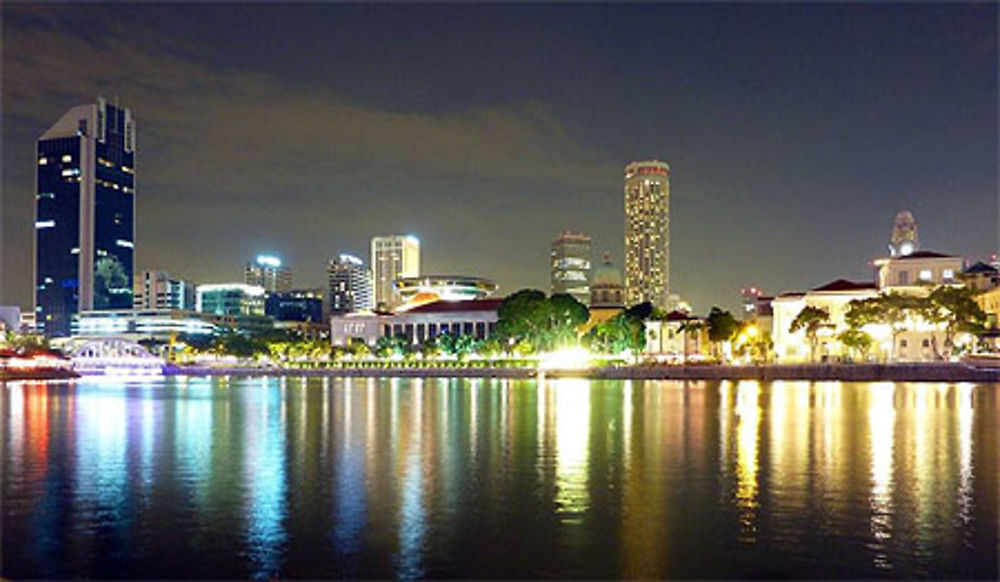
(925, 275)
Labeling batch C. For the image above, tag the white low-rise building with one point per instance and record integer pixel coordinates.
(680, 337)
(834, 298)
(474, 317)
(917, 270)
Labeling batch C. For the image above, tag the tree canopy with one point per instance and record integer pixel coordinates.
(529, 318)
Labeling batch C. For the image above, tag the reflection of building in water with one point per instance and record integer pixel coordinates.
(572, 416)
(264, 474)
(747, 462)
(881, 425)
(788, 445)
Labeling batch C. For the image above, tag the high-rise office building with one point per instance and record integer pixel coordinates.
(570, 262)
(349, 285)
(903, 240)
(393, 256)
(156, 290)
(647, 233)
(84, 215)
(269, 272)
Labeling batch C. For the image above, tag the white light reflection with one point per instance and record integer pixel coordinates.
(572, 420)
(747, 462)
(965, 410)
(101, 473)
(350, 489)
(881, 425)
(413, 518)
(265, 478)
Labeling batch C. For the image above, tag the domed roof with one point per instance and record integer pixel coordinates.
(607, 275)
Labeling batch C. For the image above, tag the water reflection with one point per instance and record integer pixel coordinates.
(264, 476)
(881, 425)
(748, 414)
(572, 432)
(366, 478)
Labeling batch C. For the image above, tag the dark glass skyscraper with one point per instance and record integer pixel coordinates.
(85, 215)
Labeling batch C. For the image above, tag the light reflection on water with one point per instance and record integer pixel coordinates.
(289, 477)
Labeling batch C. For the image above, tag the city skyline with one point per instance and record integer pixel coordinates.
(863, 140)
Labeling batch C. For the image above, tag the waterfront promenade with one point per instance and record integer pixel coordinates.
(914, 372)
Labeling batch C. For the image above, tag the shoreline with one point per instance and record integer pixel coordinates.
(935, 372)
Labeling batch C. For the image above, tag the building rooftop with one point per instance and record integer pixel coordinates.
(845, 285)
(924, 255)
(981, 267)
(458, 306)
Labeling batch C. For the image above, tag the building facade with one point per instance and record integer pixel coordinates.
(570, 265)
(231, 299)
(475, 317)
(679, 338)
(297, 305)
(916, 271)
(84, 215)
(393, 257)
(647, 233)
(834, 298)
(156, 290)
(349, 285)
(269, 272)
(138, 324)
(980, 277)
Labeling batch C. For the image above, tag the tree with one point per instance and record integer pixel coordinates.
(111, 288)
(892, 309)
(856, 340)
(389, 346)
(358, 348)
(521, 316)
(722, 326)
(956, 308)
(527, 317)
(566, 315)
(811, 319)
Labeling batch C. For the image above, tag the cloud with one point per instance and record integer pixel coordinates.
(221, 141)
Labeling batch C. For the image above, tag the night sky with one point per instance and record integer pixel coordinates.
(794, 132)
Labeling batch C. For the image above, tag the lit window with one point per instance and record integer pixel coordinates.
(71, 172)
(67, 158)
(124, 243)
(925, 275)
(74, 251)
(42, 161)
(948, 274)
(40, 224)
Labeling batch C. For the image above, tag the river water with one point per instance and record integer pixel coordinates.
(378, 478)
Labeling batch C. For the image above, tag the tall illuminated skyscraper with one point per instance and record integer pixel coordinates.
(571, 265)
(647, 233)
(349, 285)
(84, 215)
(269, 272)
(393, 256)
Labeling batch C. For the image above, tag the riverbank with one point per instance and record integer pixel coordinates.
(11, 375)
(933, 372)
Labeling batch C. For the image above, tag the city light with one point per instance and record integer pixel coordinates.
(565, 359)
(268, 261)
